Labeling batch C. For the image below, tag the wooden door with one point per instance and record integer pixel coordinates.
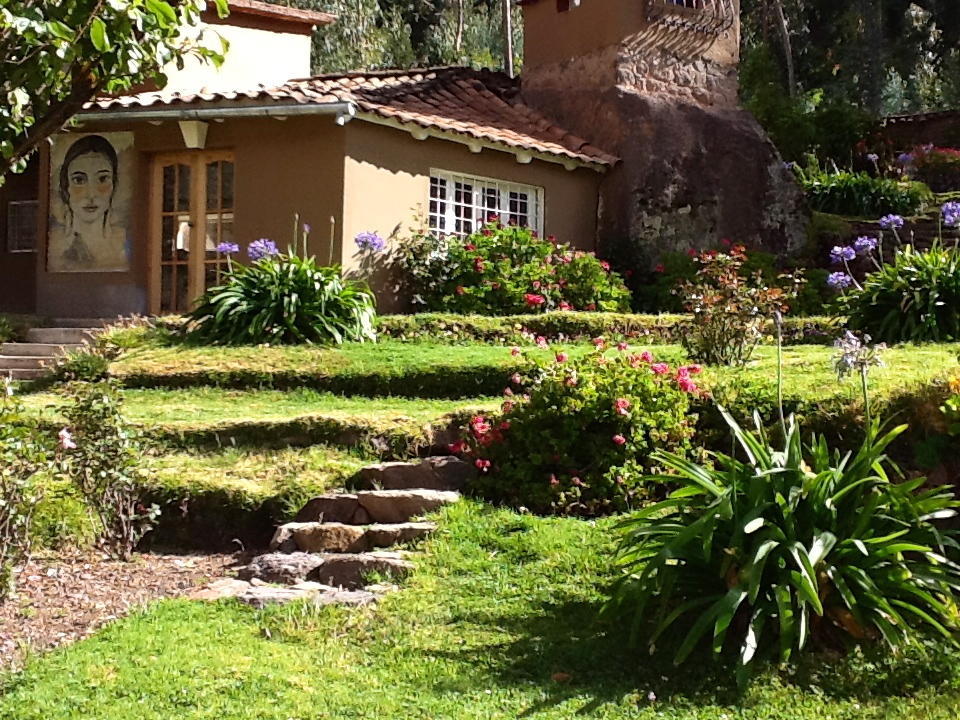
(192, 214)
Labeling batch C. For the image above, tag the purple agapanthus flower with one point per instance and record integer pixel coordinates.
(262, 248)
(370, 242)
(839, 280)
(228, 248)
(841, 253)
(951, 214)
(872, 157)
(891, 222)
(307, 229)
(864, 245)
(905, 159)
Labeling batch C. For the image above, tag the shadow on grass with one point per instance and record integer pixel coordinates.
(563, 647)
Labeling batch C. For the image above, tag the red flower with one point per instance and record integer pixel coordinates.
(470, 246)
(478, 265)
(660, 368)
(686, 384)
(591, 307)
(505, 425)
(599, 342)
(534, 300)
(480, 426)
(456, 448)
(515, 351)
(564, 305)
(688, 370)
(562, 357)
(622, 346)
(553, 480)
(486, 232)
(691, 253)
(482, 465)
(619, 440)
(646, 356)
(552, 239)
(460, 290)
(725, 242)
(605, 265)
(622, 406)
(660, 268)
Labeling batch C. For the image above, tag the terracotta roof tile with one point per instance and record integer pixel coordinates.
(479, 103)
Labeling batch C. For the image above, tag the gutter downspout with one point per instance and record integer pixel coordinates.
(343, 113)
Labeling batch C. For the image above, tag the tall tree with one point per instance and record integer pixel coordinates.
(57, 56)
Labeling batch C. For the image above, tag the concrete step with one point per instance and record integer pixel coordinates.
(23, 374)
(340, 537)
(348, 570)
(60, 336)
(24, 362)
(82, 322)
(433, 473)
(374, 506)
(37, 349)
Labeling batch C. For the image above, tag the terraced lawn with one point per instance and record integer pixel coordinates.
(498, 621)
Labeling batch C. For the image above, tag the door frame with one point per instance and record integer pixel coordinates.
(197, 161)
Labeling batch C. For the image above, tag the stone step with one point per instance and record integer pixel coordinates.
(24, 362)
(82, 322)
(374, 506)
(259, 594)
(23, 374)
(37, 349)
(433, 473)
(339, 537)
(347, 570)
(60, 336)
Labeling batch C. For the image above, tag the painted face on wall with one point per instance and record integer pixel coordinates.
(90, 186)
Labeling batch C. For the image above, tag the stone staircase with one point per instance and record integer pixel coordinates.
(32, 359)
(338, 540)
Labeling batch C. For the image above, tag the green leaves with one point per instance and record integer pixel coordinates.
(98, 35)
(285, 299)
(795, 544)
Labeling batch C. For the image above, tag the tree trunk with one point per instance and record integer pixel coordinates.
(458, 38)
(784, 29)
(507, 38)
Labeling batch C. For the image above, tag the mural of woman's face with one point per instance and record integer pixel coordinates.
(90, 186)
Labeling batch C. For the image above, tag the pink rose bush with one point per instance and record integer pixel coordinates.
(575, 435)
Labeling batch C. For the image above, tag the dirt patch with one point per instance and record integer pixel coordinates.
(66, 596)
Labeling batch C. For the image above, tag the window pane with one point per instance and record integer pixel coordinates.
(169, 187)
(226, 191)
(22, 226)
(168, 239)
(461, 204)
(213, 186)
(183, 187)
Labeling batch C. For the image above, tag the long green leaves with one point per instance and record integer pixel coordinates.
(792, 544)
(284, 299)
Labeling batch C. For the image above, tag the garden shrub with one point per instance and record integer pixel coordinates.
(7, 333)
(283, 299)
(575, 437)
(914, 298)
(860, 194)
(506, 269)
(100, 454)
(937, 167)
(729, 309)
(790, 546)
(85, 364)
(25, 460)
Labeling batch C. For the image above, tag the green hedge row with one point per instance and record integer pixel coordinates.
(652, 329)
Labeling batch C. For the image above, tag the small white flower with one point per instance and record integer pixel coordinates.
(652, 696)
(66, 440)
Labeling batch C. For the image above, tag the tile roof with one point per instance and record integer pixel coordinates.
(278, 12)
(478, 104)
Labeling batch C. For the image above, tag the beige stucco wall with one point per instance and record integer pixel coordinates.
(281, 168)
(255, 57)
(387, 183)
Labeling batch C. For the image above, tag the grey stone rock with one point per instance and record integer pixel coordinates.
(282, 540)
(387, 535)
(351, 570)
(399, 506)
(329, 537)
(220, 589)
(284, 568)
(329, 508)
(434, 473)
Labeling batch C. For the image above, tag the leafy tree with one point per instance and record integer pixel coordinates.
(56, 56)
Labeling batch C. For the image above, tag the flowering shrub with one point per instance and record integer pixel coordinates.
(25, 457)
(730, 310)
(860, 194)
(283, 298)
(576, 436)
(913, 298)
(937, 167)
(99, 452)
(506, 269)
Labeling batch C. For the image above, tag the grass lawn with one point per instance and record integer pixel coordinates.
(498, 621)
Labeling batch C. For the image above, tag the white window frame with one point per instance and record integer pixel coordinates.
(13, 240)
(449, 217)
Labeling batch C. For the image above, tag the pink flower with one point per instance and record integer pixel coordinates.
(605, 265)
(542, 342)
(570, 380)
(534, 300)
(619, 440)
(622, 406)
(591, 307)
(688, 370)
(480, 426)
(686, 384)
(660, 368)
(536, 284)
(552, 239)
(622, 346)
(66, 440)
(515, 351)
(482, 465)
(554, 481)
(516, 379)
(505, 425)
(646, 356)
(456, 448)
(635, 361)
(598, 342)
(564, 305)
(725, 242)
(507, 391)
(562, 357)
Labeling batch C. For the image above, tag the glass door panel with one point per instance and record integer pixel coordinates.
(219, 219)
(175, 238)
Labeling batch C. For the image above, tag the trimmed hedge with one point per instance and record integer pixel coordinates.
(651, 329)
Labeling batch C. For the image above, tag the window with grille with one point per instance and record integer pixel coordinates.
(711, 16)
(22, 226)
(461, 204)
